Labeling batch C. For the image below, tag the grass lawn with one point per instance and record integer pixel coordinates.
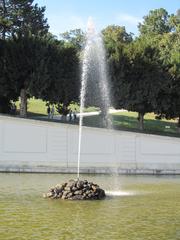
(121, 120)
(37, 107)
(128, 121)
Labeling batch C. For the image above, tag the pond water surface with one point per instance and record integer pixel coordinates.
(136, 208)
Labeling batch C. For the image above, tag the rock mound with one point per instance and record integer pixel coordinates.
(76, 190)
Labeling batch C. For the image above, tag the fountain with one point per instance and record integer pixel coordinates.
(94, 78)
(94, 73)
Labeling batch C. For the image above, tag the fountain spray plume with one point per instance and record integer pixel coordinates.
(90, 27)
(93, 61)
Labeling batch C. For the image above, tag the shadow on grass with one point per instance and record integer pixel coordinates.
(151, 126)
(129, 123)
(35, 115)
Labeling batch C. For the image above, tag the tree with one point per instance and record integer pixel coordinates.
(26, 60)
(21, 17)
(5, 22)
(174, 22)
(148, 83)
(19, 20)
(75, 37)
(143, 78)
(4, 83)
(7, 92)
(169, 44)
(169, 102)
(63, 70)
(156, 22)
(115, 38)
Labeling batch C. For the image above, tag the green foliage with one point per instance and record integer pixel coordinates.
(139, 87)
(21, 17)
(20, 21)
(174, 22)
(115, 38)
(26, 63)
(63, 71)
(5, 21)
(144, 72)
(75, 38)
(7, 85)
(156, 22)
(169, 106)
(116, 41)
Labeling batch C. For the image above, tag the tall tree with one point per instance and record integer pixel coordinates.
(7, 91)
(156, 22)
(115, 38)
(4, 19)
(21, 17)
(163, 31)
(26, 60)
(169, 102)
(138, 88)
(63, 70)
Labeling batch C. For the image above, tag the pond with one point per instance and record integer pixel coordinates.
(136, 207)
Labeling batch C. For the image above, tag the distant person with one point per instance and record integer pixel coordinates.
(70, 115)
(52, 111)
(75, 114)
(13, 109)
(48, 111)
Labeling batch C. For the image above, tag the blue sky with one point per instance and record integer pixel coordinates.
(64, 15)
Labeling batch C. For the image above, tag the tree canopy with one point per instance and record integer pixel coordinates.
(21, 17)
(144, 71)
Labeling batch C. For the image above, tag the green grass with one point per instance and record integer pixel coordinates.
(128, 121)
(74, 106)
(37, 107)
(121, 120)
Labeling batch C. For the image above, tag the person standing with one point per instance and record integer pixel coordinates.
(70, 115)
(48, 111)
(52, 112)
(74, 113)
(13, 108)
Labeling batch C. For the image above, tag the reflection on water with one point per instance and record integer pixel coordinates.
(138, 208)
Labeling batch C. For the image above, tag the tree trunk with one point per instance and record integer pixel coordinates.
(141, 121)
(23, 103)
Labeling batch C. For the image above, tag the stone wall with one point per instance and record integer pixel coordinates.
(39, 146)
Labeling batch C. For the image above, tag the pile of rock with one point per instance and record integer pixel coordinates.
(76, 190)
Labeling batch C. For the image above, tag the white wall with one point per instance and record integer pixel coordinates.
(28, 145)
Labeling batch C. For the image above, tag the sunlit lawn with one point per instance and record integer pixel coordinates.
(121, 120)
(37, 107)
(128, 121)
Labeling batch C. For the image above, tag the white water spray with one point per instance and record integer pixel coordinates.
(93, 62)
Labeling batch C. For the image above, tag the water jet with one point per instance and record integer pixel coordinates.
(93, 76)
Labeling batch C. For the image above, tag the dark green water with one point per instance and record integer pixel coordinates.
(147, 208)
